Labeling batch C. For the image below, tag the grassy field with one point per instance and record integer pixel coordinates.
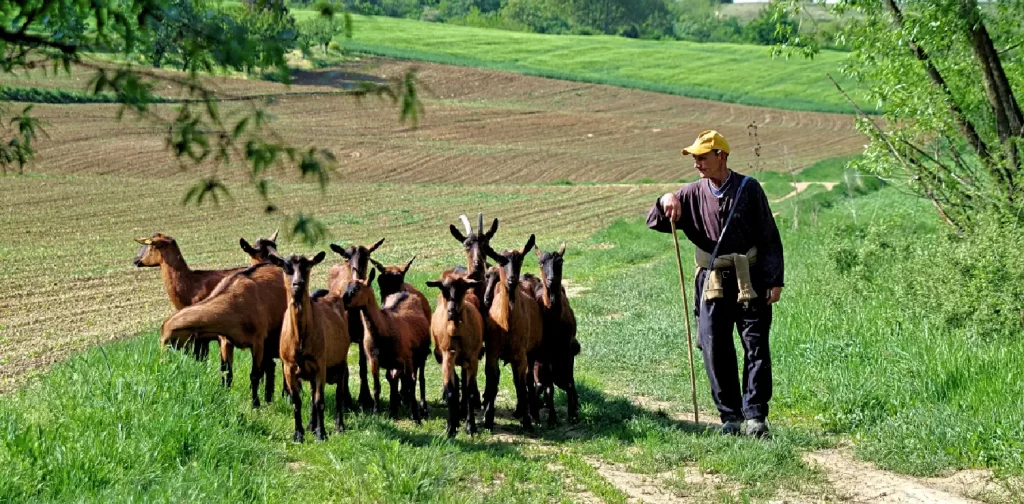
(847, 367)
(732, 73)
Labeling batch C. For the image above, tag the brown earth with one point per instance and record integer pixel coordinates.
(479, 126)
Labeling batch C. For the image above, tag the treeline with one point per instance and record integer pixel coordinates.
(691, 20)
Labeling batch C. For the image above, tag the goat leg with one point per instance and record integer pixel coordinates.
(395, 396)
(423, 389)
(340, 391)
(318, 402)
(227, 362)
(292, 379)
(409, 381)
(452, 396)
(523, 392)
(268, 374)
(375, 370)
(471, 394)
(536, 387)
(256, 374)
(492, 375)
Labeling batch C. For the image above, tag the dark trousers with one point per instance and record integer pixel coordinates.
(716, 319)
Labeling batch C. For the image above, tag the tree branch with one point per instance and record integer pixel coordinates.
(895, 153)
(25, 39)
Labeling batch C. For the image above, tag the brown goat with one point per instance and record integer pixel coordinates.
(186, 286)
(242, 309)
(391, 280)
(314, 344)
(477, 246)
(513, 333)
(357, 258)
(395, 337)
(554, 363)
(457, 330)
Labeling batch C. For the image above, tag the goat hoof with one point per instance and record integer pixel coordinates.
(321, 435)
(255, 404)
(573, 419)
(471, 428)
(298, 437)
(452, 431)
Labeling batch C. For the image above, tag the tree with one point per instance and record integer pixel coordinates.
(946, 83)
(319, 31)
(48, 35)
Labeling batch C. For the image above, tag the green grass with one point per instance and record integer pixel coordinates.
(856, 355)
(733, 73)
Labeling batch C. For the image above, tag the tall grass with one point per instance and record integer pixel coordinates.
(733, 73)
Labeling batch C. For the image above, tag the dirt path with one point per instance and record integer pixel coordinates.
(862, 482)
(853, 480)
(799, 187)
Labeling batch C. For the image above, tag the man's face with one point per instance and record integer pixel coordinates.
(711, 164)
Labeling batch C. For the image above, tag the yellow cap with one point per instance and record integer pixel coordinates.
(706, 142)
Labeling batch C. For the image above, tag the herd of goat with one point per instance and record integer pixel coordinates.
(481, 310)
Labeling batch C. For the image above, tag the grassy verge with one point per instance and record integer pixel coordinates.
(855, 356)
(720, 72)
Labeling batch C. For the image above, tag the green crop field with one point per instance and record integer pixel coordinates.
(732, 73)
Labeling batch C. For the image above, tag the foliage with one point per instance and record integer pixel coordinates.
(946, 74)
(770, 27)
(59, 35)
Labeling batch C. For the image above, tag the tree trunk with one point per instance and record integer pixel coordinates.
(966, 128)
(1009, 121)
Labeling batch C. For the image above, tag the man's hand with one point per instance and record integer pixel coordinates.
(774, 294)
(670, 205)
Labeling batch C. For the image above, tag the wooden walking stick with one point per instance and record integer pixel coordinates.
(686, 312)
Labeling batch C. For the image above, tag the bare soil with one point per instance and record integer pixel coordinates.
(479, 126)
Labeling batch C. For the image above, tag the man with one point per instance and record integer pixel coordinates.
(744, 282)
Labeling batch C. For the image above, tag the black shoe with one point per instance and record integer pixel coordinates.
(756, 428)
(730, 428)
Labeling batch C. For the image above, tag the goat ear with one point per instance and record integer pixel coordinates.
(434, 283)
(494, 229)
(317, 259)
(373, 273)
(378, 265)
(375, 245)
(561, 249)
(497, 258)
(275, 260)
(456, 233)
(529, 244)
(406, 270)
(340, 251)
(246, 247)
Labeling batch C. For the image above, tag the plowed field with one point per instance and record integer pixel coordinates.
(479, 127)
